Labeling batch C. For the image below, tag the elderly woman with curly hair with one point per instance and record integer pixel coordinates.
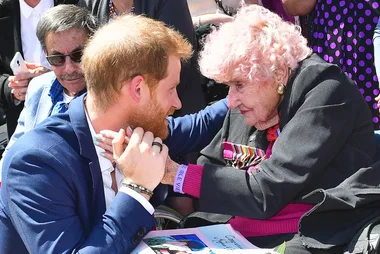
(293, 142)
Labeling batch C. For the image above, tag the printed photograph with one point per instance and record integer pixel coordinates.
(178, 244)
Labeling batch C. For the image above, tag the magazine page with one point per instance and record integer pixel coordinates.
(216, 239)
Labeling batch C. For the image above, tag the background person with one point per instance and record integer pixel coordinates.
(376, 47)
(18, 21)
(225, 9)
(376, 51)
(61, 33)
(341, 33)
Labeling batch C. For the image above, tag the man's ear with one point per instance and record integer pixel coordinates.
(135, 87)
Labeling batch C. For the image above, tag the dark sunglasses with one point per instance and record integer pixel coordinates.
(59, 60)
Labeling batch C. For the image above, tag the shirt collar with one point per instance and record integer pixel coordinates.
(105, 164)
(41, 7)
(56, 92)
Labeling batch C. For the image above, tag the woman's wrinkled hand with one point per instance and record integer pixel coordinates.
(104, 140)
(142, 162)
(171, 169)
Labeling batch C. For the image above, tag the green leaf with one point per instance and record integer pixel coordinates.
(281, 249)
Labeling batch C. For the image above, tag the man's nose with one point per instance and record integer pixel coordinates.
(177, 102)
(70, 66)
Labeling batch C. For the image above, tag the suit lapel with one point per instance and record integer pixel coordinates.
(87, 150)
(44, 106)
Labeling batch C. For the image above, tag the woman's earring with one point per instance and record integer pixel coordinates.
(281, 89)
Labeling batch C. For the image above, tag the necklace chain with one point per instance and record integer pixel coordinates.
(113, 14)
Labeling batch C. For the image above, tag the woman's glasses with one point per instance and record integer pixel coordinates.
(59, 60)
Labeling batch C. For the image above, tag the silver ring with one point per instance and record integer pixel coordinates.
(155, 143)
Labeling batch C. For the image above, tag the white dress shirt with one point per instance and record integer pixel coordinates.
(106, 168)
(28, 19)
(66, 98)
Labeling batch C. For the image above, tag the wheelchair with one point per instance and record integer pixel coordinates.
(166, 218)
(367, 240)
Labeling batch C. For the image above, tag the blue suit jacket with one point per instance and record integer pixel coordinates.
(52, 197)
(37, 106)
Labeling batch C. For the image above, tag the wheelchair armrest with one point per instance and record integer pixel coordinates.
(374, 238)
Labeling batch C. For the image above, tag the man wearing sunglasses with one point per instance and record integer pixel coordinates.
(62, 36)
(18, 20)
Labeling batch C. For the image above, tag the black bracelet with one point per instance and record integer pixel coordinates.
(138, 188)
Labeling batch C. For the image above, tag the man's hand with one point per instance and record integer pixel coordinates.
(141, 162)
(170, 171)
(20, 82)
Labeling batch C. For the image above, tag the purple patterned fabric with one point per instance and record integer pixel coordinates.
(341, 31)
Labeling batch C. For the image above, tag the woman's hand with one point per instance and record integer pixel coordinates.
(142, 162)
(171, 169)
(104, 140)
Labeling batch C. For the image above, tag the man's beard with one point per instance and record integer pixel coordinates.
(152, 118)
